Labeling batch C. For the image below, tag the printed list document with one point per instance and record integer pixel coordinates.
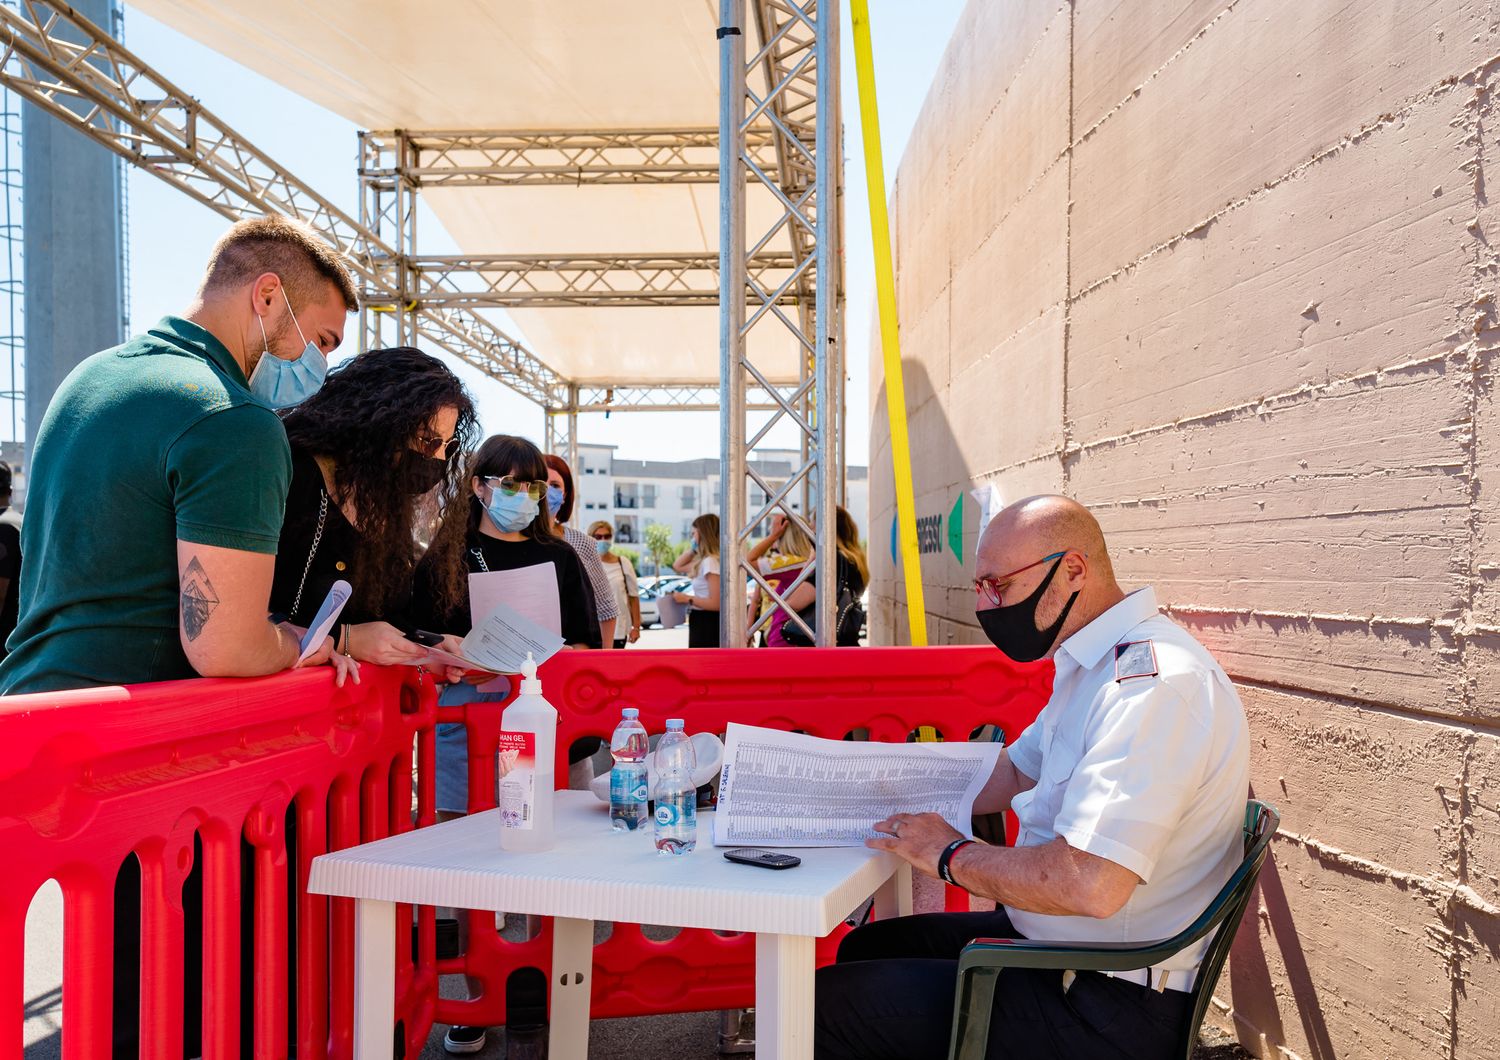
(783, 789)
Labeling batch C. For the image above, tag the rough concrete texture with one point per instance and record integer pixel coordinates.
(1225, 271)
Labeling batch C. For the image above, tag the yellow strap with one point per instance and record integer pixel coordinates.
(890, 339)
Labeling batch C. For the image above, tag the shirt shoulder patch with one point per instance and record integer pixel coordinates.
(1135, 659)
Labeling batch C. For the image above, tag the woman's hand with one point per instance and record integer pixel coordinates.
(343, 666)
(382, 644)
(683, 598)
(634, 634)
(779, 524)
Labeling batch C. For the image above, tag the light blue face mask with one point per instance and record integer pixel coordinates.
(512, 513)
(602, 546)
(282, 384)
(554, 499)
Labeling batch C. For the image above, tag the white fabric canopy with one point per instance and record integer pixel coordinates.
(525, 65)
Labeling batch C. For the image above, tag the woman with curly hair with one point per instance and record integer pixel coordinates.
(377, 457)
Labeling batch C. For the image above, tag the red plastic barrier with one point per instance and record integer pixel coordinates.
(88, 777)
(825, 692)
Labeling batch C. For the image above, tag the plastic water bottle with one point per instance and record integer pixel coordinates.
(627, 780)
(676, 794)
(528, 744)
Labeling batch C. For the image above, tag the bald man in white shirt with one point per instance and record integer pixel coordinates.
(1130, 791)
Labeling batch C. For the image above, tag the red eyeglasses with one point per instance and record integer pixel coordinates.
(990, 587)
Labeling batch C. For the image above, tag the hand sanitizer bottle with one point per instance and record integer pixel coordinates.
(527, 765)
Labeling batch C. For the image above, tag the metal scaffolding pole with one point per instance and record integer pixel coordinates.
(790, 82)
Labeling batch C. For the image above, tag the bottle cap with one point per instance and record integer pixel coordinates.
(530, 685)
(674, 724)
(630, 713)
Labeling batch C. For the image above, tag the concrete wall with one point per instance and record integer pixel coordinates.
(1223, 270)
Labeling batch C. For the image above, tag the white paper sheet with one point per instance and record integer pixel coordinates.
(530, 592)
(328, 614)
(782, 789)
(499, 644)
(990, 504)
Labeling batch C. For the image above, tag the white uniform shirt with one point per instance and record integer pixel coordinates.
(1151, 772)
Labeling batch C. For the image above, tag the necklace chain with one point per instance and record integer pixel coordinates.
(317, 539)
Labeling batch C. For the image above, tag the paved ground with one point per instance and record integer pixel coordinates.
(690, 1036)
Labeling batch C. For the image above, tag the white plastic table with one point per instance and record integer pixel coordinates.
(594, 874)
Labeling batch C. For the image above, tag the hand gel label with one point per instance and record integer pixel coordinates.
(516, 767)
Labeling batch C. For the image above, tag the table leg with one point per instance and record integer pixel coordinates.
(784, 966)
(374, 979)
(894, 897)
(572, 974)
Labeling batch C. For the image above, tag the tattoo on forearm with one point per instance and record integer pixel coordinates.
(198, 599)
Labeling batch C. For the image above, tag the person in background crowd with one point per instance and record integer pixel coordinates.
(507, 528)
(701, 560)
(377, 455)
(621, 578)
(851, 569)
(10, 559)
(560, 498)
(790, 548)
(854, 576)
(157, 486)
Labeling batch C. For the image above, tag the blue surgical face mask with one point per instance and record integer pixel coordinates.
(554, 499)
(282, 384)
(512, 513)
(602, 546)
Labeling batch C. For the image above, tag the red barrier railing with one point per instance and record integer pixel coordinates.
(888, 691)
(89, 777)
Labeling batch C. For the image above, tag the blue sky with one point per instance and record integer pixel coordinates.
(170, 236)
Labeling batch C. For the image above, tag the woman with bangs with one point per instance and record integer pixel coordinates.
(507, 527)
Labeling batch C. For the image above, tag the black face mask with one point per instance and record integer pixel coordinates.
(1012, 628)
(418, 472)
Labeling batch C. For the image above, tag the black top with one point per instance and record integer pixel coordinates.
(337, 549)
(580, 623)
(848, 575)
(10, 570)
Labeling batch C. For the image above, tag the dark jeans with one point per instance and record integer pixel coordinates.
(703, 629)
(891, 995)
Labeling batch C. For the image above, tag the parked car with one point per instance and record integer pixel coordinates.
(649, 614)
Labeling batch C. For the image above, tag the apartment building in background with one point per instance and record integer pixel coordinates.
(633, 494)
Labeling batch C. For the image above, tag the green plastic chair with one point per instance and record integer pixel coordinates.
(981, 961)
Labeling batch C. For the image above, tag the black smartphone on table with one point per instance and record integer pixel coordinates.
(765, 859)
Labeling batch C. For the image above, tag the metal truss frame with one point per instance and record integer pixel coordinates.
(72, 69)
(531, 281)
(569, 158)
(671, 397)
(791, 81)
(777, 130)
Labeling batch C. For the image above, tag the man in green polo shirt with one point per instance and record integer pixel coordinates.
(159, 478)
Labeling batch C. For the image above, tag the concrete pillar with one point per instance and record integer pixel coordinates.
(73, 211)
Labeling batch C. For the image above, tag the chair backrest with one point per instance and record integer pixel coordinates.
(1224, 913)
